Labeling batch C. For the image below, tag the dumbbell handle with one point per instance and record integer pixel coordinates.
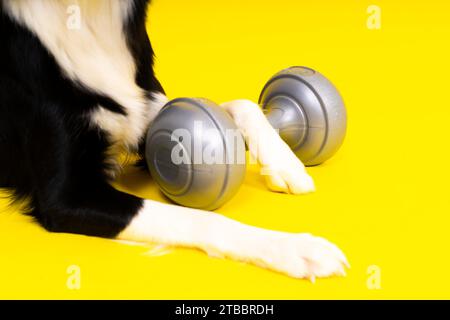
(285, 116)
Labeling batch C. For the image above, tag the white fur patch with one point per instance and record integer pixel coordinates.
(297, 255)
(283, 171)
(95, 55)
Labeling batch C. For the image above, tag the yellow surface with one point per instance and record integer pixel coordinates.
(383, 199)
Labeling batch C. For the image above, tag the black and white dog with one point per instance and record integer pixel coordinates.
(73, 99)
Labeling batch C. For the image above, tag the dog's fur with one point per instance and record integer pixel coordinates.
(73, 99)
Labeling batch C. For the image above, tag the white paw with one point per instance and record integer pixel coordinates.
(303, 256)
(289, 180)
(282, 170)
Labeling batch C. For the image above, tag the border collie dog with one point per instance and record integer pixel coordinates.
(72, 99)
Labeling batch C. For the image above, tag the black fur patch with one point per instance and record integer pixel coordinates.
(48, 151)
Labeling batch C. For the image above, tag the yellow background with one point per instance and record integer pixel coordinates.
(384, 198)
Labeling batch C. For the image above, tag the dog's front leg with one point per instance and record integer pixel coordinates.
(297, 255)
(281, 168)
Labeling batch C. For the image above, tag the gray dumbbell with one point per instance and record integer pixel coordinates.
(308, 111)
(196, 153)
(305, 107)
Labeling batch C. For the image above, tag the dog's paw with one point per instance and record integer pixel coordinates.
(282, 170)
(289, 179)
(304, 256)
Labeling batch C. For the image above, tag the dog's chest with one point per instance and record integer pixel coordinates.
(88, 41)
